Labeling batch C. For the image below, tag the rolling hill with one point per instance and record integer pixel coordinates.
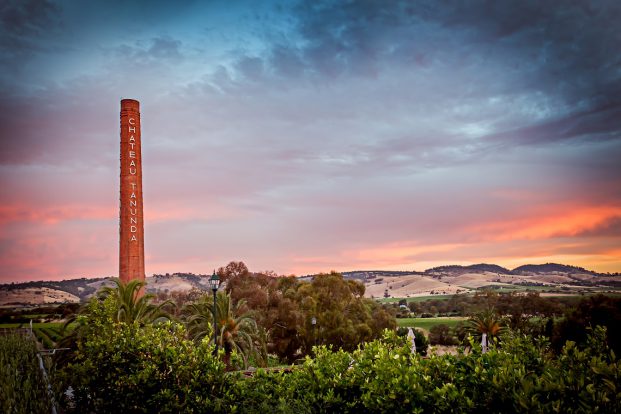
(442, 280)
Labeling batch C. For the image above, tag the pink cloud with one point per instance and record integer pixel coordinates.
(53, 214)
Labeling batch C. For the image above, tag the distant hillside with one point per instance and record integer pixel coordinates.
(444, 280)
(83, 288)
(371, 274)
(551, 267)
(481, 267)
(521, 270)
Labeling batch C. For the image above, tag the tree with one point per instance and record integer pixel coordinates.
(132, 306)
(232, 270)
(198, 318)
(486, 322)
(441, 335)
(590, 312)
(285, 307)
(344, 317)
(236, 329)
(113, 304)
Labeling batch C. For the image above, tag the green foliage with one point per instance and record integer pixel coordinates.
(343, 317)
(512, 303)
(122, 303)
(198, 318)
(486, 322)
(385, 377)
(132, 305)
(128, 368)
(285, 307)
(595, 310)
(131, 365)
(237, 329)
(441, 335)
(154, 368)
(22, 386)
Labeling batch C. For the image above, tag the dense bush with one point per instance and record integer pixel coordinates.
(595, 310)
(149, 369)
(155, 369)
(135, 365)
(22, 386)
(522, 376)
(441, 335)
(126, 367)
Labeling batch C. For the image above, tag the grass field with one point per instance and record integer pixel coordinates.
(550, 290)
(427, 323)
(503, 289)
(415, 299)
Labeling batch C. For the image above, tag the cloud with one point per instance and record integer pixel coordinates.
(598, 124)
(610, 227)
(13, 214)
(566, 51)
(24, 24)
(59, 126)
(315, 133)
(156, 51)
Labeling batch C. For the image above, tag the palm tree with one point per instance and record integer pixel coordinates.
(133, 307)
(198, 318)
(129, 308)
(485, 323)
(237, 330)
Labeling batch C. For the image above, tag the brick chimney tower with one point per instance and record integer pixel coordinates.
(131, 249)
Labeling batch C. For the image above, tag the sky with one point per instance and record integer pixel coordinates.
(309, 136)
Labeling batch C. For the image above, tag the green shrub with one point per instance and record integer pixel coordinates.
(128, 368)
(22, 386)
(384, 377)
(441, 335)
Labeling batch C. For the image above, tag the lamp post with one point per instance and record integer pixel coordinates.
(214, 284)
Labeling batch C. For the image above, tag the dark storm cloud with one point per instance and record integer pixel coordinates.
(600, 123)
(24, 25)
(575, 39)
(27, 19)
(566, 50)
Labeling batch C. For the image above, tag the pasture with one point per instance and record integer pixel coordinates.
(428, 323)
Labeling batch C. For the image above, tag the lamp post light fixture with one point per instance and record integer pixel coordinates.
(214, 284)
